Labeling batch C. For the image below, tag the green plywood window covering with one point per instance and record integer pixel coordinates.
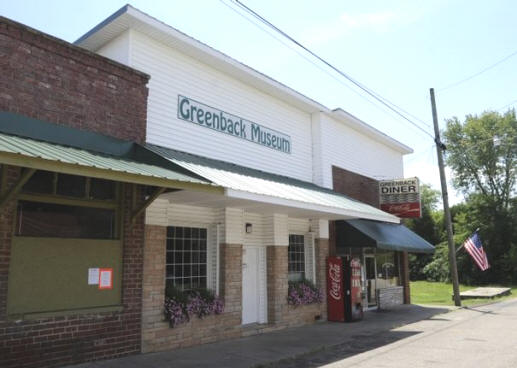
(51, 275)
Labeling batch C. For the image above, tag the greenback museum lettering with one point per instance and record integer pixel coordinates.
(212, 118)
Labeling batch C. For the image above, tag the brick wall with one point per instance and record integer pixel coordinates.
(277, 284)
(356, 186)
(158, 336)
(156, 333)
(49, 79)
(57, 341)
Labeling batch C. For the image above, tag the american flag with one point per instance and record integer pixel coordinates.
(475, 248)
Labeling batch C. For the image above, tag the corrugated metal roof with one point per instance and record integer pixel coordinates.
(266, 184)
(30, 148)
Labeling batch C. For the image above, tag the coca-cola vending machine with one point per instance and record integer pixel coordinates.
(344, 301)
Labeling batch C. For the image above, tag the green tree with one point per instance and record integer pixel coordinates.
(482, 153)
(426, 227)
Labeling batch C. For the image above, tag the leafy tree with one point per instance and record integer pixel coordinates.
(486, 173)
(480, 165)
(426, 227)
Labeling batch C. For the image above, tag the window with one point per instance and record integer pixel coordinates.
(36, 219)
(296, 257)
(67, 206)
(387, 268)
(186, 263)
(70, 186)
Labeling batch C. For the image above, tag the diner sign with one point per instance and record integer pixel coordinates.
(223, 122)
(400, 197)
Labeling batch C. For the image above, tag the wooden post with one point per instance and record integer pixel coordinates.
(448, 222)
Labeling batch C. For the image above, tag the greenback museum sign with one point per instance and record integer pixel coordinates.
(218, 120)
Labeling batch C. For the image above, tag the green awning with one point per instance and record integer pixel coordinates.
(41, 145)
(382, 235)
(30, 153)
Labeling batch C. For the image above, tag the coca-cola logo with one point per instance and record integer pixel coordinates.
(399, 208)
(335, 281)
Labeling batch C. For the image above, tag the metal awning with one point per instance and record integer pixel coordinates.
(41, 155)
(382, 235)
(247, 184)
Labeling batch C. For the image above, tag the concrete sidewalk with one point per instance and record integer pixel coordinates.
(259, 350)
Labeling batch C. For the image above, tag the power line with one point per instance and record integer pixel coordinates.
(324, 70)
(478, 73)
(376, 96)
(508, 104)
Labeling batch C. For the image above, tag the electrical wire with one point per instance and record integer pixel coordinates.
(508, 104)
(376, 96)
(478, 73)
(326, 71)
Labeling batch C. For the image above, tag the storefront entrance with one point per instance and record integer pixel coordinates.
(250, 285)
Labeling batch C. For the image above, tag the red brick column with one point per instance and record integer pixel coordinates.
(277, 284)
(153, 285)
(231, 278)
(404, 277)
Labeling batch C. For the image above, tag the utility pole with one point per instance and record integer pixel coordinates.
(447, 213)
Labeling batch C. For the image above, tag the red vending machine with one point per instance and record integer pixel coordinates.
(344, 302)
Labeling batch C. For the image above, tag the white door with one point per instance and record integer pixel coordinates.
(250, 285)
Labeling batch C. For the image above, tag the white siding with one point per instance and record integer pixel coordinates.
(298, 226)
(118, 49)
(173, 73)
(257, 236)
(351, 150)
(276, 230)
(233, 229)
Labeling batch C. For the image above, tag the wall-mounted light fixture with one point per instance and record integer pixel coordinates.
(249, 228)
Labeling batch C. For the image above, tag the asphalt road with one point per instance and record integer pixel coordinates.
(476, 337)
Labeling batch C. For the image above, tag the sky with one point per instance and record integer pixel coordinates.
(399, 49)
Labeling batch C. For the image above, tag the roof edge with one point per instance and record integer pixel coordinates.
(310, 106)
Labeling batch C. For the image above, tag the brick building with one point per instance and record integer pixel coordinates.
(206, 176)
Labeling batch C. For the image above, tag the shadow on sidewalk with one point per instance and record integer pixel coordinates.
(380, 332)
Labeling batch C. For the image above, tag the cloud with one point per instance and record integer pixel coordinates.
(347, 22)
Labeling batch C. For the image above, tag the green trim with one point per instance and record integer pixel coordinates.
(69, 312)
(40, 130)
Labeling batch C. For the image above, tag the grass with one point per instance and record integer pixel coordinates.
(440, 293)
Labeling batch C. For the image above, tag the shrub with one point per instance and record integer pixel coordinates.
(180, 306)
(303, 292)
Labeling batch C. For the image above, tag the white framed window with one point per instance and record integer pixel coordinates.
(186, 260)
(296, 257)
